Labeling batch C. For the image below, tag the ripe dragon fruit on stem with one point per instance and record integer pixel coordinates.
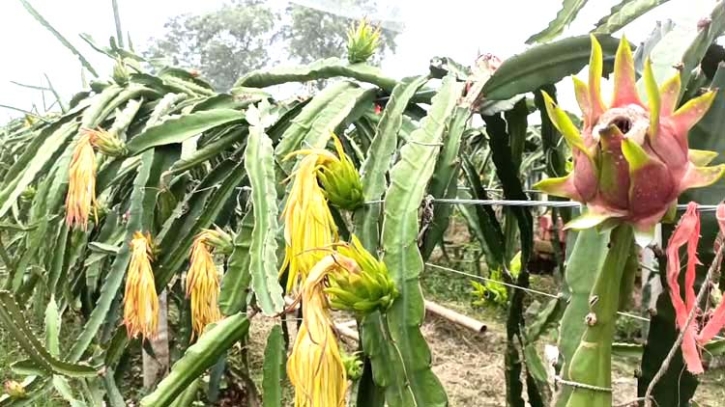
(630, 161)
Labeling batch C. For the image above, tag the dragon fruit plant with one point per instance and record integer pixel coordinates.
(631, 161)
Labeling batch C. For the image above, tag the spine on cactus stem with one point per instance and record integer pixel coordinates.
(587, 376)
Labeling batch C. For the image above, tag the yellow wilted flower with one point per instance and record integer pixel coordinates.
(315, 366)
(81, 196)
(362, 41)
(308, 223)
(141, 303)
(202, 280)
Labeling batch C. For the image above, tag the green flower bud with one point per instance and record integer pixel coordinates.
(107, 143)
(364, 289)
(362, 42)
(340, 180)
(220, 240)
(28, 194)
(353, 365)
(120, 73)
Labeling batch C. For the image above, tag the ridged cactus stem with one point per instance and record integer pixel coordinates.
(588, 375)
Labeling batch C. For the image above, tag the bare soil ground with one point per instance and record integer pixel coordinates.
(471, 365)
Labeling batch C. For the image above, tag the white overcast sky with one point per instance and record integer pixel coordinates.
(455, 28)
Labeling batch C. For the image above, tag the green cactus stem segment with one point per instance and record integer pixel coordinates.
(588, 373)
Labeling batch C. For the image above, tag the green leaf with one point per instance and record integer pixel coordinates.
(544, 64)
(322, 69)
(59, 251)
(21, 163)
(445, 180)
(482, 220)
(591, 362)
(14, 321)
(209, 151)
(179, 128)
(129, 93)
(63, 387)
(188, 397)
(52, 327)
(50, 195)
(551, 314)
(41, 158)
(418, 386)
(645, 49)
(94, 115)
(115, 398)
(301, 124)
(259, 163)
(379, 158)
(199, 210)
(504, 135)
(368, 393)
(233, 296)
(312, 130)
(212, 344)
(586, 258)
(681, 50)
(59, 37)
(565, 16)
(105, 248)
(274, 368)
(535, 368)
(624, 13)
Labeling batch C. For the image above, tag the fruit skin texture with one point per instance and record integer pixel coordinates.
(631, 160)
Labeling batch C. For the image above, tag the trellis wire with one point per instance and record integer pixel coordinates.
(532, 203)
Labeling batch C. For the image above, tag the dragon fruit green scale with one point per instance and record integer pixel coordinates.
(630, 160)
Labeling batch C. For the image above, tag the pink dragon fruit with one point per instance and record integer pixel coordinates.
(630, 161)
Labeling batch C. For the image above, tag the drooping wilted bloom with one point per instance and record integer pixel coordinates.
(315, 366)
(338, 176)
(202, 280)
(81, 195)
(687, 233)
(631, 160)
(363, 288)
(120, 72)
(140, 302)
(362, 42)
(308, 222)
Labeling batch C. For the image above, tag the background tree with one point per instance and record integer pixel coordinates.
(244, 35)
(223, 44)
(312, 34)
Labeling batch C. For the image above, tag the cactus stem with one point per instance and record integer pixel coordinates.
(589, 369)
